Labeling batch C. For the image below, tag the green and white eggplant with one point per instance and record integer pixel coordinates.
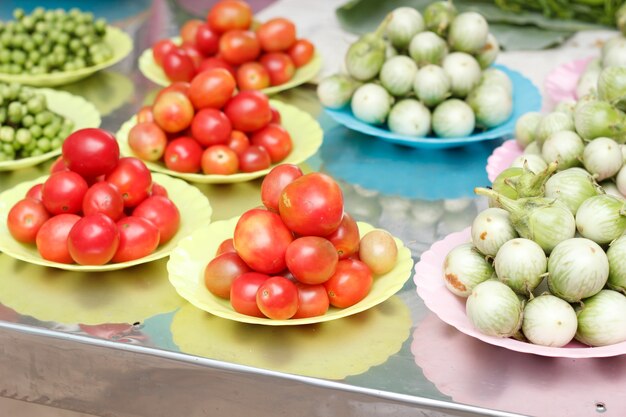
(620, 181)
(596, 119)
(468, 33)
(403, 24)
(610, 188)
(602, 319)
(464, 268)
(521, 264)
(601, 218)
(614, 52)
(549, 321)
(428, 48)
(371, 103)
(453, 118)
(491, 229)
(525, 128)
(494, 76)
(336, 91)
(572, 187)
(553, 123)
(532, 149)
(489, 53)
(409, 117)
(491, 104)
(602, 157)
(431, 85)
(588, 81)
(566, 106)
(464, 73)
(620, 19)
(578, 268)
(438, 16)
(565, 147)
(505, 184)
(397, 75)
(617, 265)
(535, 163)
(494, 309)
(612, 86)
(366, 56)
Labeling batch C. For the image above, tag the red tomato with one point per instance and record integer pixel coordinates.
(163, 213)
(25, 219)
(173, 111)
(277, 298)
(261, 239)
(228, 15)
(243, 293)
(350, 283)
(52, 238)
(239, 46)
(138, 238)
(276, 141)
(180, 86)
(91, 152)
(207, 41)
(252, 76)
(158, 189)
(132, 179)
(312, 205)
(183, 155)
(211, 127)
(58, 165)
(189, 29)
(276, 35)
(312, 301)
(35, 192)
(145, 114)
(346, 238)
(63, 192)
(162, 48)
(275, 182)
(211, 88)
(238, 142)
(103, 197)
(194, 54)
(275, 116)
(279, 66)
(147, 140)
(220, 273)
(301, 52)
(249, 111)
(93, 240)
(253, 159)
(178, 66)
(215, 62)
(225, 246)
(311, 259)
(220, 160)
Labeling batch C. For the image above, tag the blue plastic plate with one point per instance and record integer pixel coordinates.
(526, 98)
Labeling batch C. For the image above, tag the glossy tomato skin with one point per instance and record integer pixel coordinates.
(277, 298)
(221, 271)
(52, 238)
(279, 66)
(276, 141)
(207, 40)
(211, 127)
(274, 183)
(312, 301)
(350, 283)
(311, 259)
(58, 165)
(145, 114)
(91, 152)
(276, 35)
(312, 205)
(63, 192)
(173, 111)
(212, 88)
(163, 213)
(183, 155)
(238, 142)
(215, 62)
(261, 239)
(275, 116)
(178, 65)
(252, 76)
(93, 240)
(132, 179)
(225, 246)
(189, 30)
(193, 53)
(228, 15)
(158, 189)
(249, 111)
(147, 140)
(239, 46)
(35, 192)
(138, 238)
(254, 158)
(102, 197)
(162, 48)
(180, 86)
(301, 52)
(243, 293)
(25, 219)
(346, 238)
(219, 160)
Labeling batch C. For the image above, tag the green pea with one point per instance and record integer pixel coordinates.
(81, 52)
(63, 38)
(5, 56)
(8, 149)
(43, 118)
(28, 22)
(6, 39)
(41, 28)
(7, 134)
(44, 144)
(18, 56)
(88, 40)
(18, 13)
(26, 94)
(81, 30)
(34, 56)
(23, 136)
(59, 13)
(28, 120)
(36, 105)
(49, 16)
(69, 66)
(38, 38)
(16, 145)
(3, 115)
(38, 12)
(57, 142)
(36, 152)
(45, 48)
(30, 146)
(51, 131)
(75, 45)
(87, 17)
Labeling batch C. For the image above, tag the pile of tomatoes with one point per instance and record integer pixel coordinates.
(201, 126)
(299, 254)
(257, 59)
(95, 207)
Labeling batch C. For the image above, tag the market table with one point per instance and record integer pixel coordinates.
(123, 343)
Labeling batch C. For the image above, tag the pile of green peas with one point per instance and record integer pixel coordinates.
(48, 41)
(27, 127)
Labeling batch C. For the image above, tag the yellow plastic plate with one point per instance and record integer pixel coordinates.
(190, 257)
(121, 44)
(154, 73)
(306, 135)
(75, 108)
(195, 212)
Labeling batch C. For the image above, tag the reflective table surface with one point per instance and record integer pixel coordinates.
(123, 343)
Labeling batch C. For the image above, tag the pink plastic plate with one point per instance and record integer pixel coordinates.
(560, 84)
(502, 158)
(451, 309)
